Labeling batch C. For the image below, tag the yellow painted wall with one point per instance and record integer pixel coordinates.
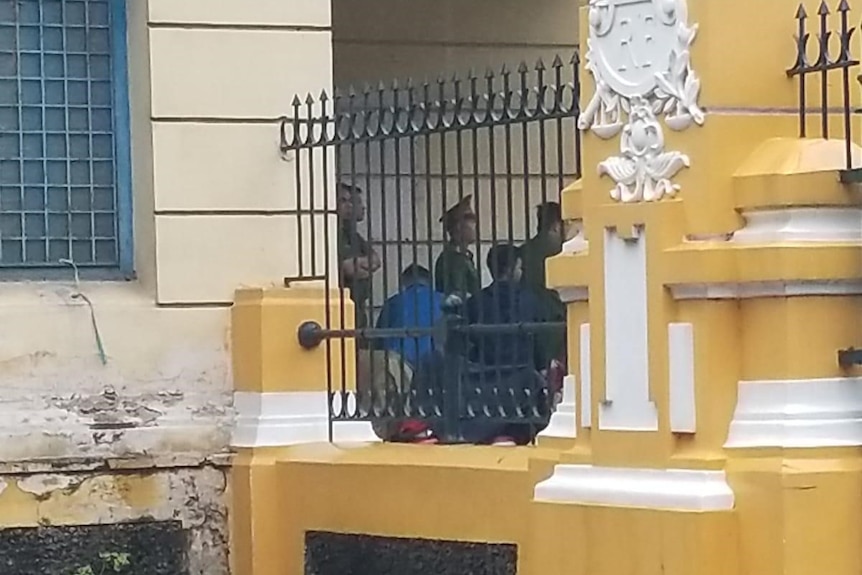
(456, 493)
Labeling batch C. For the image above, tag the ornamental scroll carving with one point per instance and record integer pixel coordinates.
(639, 53)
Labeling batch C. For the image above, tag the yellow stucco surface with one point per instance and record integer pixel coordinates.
(266, 353)
(450, 493)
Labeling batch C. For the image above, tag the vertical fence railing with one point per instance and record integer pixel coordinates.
(821, 69)
(823, 66)
(381, 174)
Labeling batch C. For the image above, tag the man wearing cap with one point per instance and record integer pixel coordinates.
(357, 258)
(547, 243)
(455, 271)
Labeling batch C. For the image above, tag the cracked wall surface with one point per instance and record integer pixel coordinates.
(142, 437)
(193, 498)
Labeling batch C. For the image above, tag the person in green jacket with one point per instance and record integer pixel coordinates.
(455, 272)
(357, 259)
(547, 243)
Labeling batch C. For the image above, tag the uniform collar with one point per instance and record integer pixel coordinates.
(458, 249)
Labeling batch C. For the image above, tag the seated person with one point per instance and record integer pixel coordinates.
(506, 301)
(511, 364)
(386, 372)
(417, 305)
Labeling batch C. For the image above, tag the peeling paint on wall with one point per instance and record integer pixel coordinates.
(194, 497)
(113, 424)
(43, 485)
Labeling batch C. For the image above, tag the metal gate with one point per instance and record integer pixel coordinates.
(415, 203)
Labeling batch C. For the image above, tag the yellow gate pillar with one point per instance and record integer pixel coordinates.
(721, 262)
(280, 400)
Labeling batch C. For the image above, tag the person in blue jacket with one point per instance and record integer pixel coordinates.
(416, 305)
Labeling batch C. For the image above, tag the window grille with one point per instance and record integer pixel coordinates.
(64, 150)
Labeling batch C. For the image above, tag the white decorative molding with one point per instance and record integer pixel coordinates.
(627, 405)
(754, 290)
(563, 424)
(586, 378)
(683, 406)
(576, 245)
(574, 294)
(820, 224)
(664, 489)
(800, 413)
(639, 54)
(290, 418)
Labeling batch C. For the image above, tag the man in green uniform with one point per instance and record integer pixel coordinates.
(357, 259)
(455, 271)
(547, 243)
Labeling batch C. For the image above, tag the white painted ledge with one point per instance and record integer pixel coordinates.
(290, 418)
(683, 404)
(664, 489)
(820, 224)
(804, 413)
(564, 423)
(574, 294)
(753, 290)
(577, 244)
(786, 226)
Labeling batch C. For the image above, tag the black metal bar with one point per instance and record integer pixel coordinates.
(311, 334)
(429, 225)
(558, 105)
(481, 118)
(362, 343)
(823, 62)
(823, 65)
(300, 240)
(384, 117)
(476, 99)
(327, 276)
(845, 56)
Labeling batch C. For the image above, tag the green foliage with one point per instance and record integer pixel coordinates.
(112, 562)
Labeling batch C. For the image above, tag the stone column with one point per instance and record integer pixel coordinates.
(722, 257)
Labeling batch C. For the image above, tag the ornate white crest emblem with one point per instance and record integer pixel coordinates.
(638, 52)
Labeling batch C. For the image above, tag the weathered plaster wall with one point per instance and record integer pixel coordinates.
(193, 497)
(164, 391)
(213, 211)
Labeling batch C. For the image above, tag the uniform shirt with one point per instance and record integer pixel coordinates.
(351, 245)
(456, 273)
(534, 254)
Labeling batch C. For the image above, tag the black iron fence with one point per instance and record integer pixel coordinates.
(826, 62)
(427, 210)
(822, 68)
